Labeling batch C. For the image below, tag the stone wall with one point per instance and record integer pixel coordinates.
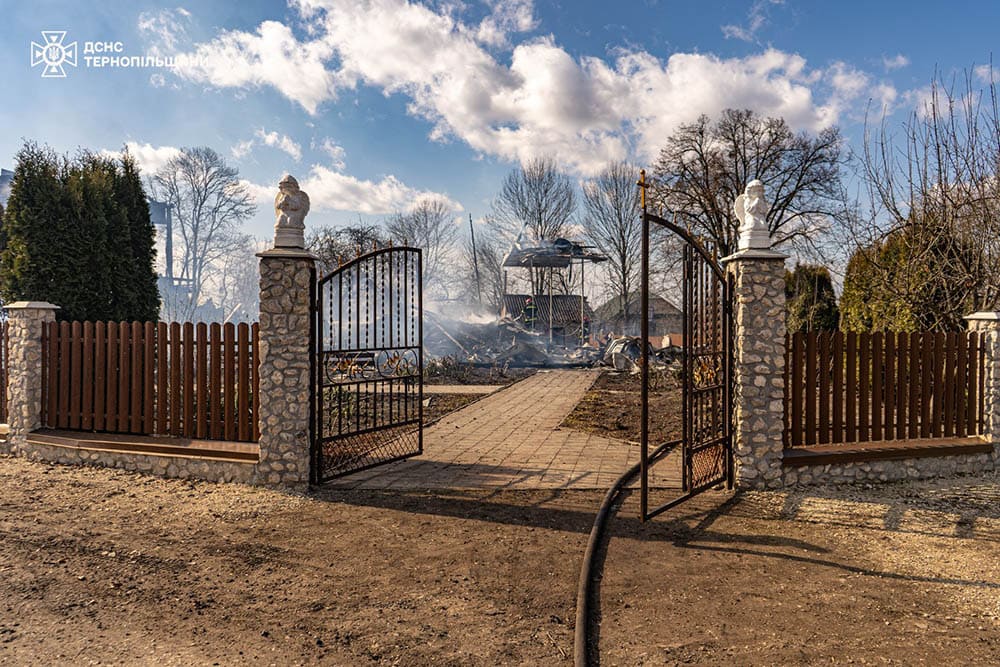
(181, 467)
(759, 312)
(891, 471)
(24, 369)
(989, 324)
(286, 289)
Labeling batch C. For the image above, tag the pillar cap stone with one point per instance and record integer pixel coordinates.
(33, 305)
(983, 315)
(287, 253)
(754, 253)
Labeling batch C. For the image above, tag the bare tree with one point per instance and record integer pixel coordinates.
(430, 226)
(489, 252)
(536, 198)
(536, 204)
(333, 246)
(209, 205)
(611, 222)
(927, 231)
(705, 165)
(238, 281)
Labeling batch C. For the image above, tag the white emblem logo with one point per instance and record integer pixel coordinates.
(53, 54)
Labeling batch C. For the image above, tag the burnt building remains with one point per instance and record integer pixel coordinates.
(554, 303)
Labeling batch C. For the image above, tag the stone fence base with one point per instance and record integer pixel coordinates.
(891, 470)
(163, 466)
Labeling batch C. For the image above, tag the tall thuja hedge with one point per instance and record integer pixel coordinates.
(811, 301)
(141, 293)
(77, 233)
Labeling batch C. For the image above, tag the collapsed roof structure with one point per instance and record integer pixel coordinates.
(564, 317)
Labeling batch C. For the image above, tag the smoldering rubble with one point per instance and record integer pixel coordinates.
(507, 342)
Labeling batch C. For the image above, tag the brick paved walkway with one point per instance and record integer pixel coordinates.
(430, 389)
(512, 439)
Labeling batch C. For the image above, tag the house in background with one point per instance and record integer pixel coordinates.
(665, 319)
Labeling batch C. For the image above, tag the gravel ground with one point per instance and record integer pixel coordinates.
(107, 567)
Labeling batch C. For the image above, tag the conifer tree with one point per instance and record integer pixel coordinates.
(77, 234)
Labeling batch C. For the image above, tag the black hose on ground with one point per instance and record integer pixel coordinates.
(584, 596)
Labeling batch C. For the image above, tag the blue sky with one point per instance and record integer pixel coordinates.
(373, 105)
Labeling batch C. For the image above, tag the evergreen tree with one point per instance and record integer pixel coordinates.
(811, 301)
(144, 296)
(37, 227)
(913, 280)
(67, 237)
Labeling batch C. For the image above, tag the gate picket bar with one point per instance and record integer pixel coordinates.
(152, 378)
(368, 384)
(870, 387)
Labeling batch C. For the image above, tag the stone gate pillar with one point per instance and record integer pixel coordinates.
(759, 342)
(989, 324)
(24, 368)
(287, 275)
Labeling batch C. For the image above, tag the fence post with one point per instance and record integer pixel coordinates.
(24, 368)
(988, 323)
(287, 276)
(759, 342)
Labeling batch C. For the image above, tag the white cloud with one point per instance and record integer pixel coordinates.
(165, 29)
(507, 16)
(270, 57)
(582, 111)
(897, 61)
(264, 138)
(333, 190)
(334, 150)
(149, 158)
(262, 194)
(280, 141)
(920, 99)
(756, 19)
(242, 149)
(987, 74)
(328, 188)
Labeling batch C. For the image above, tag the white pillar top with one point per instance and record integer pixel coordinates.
(26, 305)
(290, 208)
(751, 210)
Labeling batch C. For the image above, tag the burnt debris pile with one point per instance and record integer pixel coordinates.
(503, 341)
(509, 343)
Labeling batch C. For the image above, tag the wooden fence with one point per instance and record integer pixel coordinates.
(152, 378)
(868, 387)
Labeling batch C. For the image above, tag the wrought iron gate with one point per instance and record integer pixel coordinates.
(706, 453)
(368, 363)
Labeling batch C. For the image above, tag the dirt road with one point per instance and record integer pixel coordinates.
(105, 567)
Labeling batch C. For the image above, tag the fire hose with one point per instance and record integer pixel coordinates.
(584, 596)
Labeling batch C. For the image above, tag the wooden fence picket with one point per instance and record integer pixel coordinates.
(155, 378)
(870, 387)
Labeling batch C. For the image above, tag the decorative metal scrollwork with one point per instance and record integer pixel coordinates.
(707, 371)
(397, 363)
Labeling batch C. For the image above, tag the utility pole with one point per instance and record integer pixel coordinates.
(475, 262)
